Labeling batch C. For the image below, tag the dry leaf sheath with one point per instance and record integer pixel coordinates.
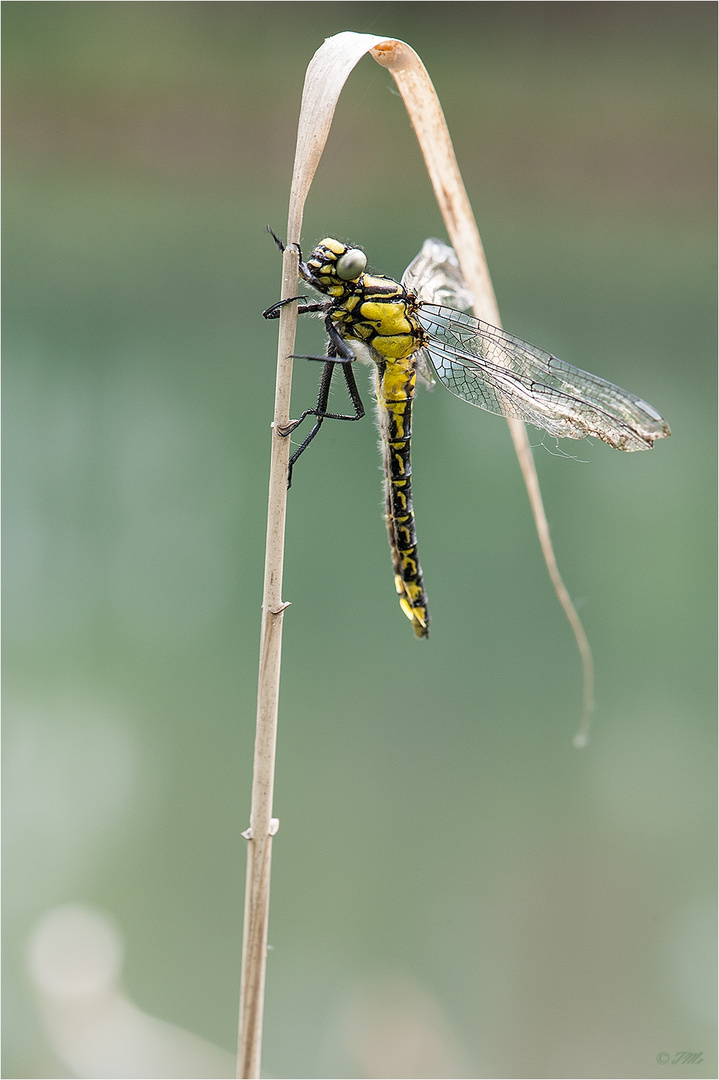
(326, 75)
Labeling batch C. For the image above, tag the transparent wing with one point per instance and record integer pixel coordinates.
(435, 277)
(508, 376)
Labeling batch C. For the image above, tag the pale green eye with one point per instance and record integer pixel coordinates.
(351, 264)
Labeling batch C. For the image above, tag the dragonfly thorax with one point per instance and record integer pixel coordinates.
(372, 309)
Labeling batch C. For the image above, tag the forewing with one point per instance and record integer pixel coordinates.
(435, 277)
(508, 376)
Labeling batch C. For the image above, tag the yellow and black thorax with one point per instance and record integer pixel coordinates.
(374, 310)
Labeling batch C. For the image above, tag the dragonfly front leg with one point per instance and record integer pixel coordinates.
(273, 312)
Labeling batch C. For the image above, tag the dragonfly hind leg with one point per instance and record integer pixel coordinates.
(320, 411)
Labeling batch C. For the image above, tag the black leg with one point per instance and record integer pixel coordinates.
(338, 353)
(279, 243)
(321, 409)
(273, 312)
(276, 238)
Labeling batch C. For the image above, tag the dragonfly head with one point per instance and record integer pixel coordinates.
(332, 266)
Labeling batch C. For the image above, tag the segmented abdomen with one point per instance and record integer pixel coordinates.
(395, 382)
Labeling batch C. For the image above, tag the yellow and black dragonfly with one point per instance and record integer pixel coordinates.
(420, 328)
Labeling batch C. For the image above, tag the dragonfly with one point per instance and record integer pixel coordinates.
(420, 329)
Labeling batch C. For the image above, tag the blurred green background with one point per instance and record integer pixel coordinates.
(450, 874)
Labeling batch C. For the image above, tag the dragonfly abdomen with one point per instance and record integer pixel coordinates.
(395, 382)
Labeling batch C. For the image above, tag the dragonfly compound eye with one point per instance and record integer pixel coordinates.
(351, 264)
